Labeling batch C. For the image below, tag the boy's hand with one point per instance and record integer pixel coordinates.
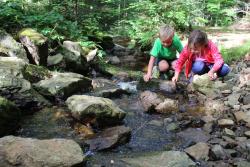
(175, 78)
(147, 77)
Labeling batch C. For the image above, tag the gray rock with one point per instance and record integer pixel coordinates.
(172, 127)
(156, 123)
(167, 86)
(36, 45)
(161, 159)
(242, 116)
(203, 84)
(55, 60)
(104, 110)
(242, 164)
(114, 60)
(214, 108)
(229, 133)
(246, 99)
(110, 138)
(62, 85)
(233, 99)
(27, 152)
(168, 106)
(247, 134)
(198, 151)
(10, 48)
(193, 135)
(9, 116)
(150, 100)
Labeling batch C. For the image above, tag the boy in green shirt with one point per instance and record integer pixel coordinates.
(164, 51)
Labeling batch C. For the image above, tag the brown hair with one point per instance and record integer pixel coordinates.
(197, 37)
(166, 31)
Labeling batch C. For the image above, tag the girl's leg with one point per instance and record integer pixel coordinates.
(199, 67)
(223, 71)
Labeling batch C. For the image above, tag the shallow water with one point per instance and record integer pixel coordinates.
(149, 132)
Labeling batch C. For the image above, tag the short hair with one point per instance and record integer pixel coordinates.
(197, 37)
(166, 31)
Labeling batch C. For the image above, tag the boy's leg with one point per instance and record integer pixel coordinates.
(199, 67)
(163, 65)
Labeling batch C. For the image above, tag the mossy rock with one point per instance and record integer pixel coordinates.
(9, 116)
(34, 36)
(34, 73)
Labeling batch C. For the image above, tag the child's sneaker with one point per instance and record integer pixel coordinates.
(155, 72)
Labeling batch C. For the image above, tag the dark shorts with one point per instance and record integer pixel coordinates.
(160, 59)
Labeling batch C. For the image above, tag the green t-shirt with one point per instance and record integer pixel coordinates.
(168, 53)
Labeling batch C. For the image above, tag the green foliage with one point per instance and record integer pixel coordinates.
(235, 53)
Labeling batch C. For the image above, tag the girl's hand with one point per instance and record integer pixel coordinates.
(175, 78)
(212, 75)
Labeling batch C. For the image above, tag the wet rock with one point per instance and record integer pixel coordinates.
(240, 139)
(247, 134)
(193, 134)
(10, 48)
(162, 159)
(231, 152)
(167, 120)
(242, 164)
(10, 116)
(149, 100)
(106, 88)
(27, 152)
(229, 133)
(62, 85)
(218, 152)
(122, 76)
(104, 110)
(225, 122)
(228, 142)
(36, 46)
(172, 127)
(167, 86)
(208, 127)
(110, 138)
(198, 151)
(168, 106)
(156, 123)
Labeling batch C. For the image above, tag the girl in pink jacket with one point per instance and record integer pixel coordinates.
(201, 56)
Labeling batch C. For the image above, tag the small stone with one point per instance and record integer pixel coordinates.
(229, 133)
(239, 116)
(156, 123)
(167, 120)
(198, 151)
(236, 107)
(225, 122)
(226, 91)
(231, 152)
(172, 127)
(218, 152)
(208, 118)
(240, 139)
(247, 134)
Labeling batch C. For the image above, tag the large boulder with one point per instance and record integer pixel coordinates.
(62, 85)
(10, 48)
(27, 152)
(161, 159)
(104, 110)
(9, 116)
(74, 58)
(36, 46)
(110, 138)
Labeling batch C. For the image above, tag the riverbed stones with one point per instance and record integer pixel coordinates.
(110, 138)
(105, 111)
(150, 100)
(161, 159)
(168, 106)
(198, 151)
(218, 152)
(27, 152)
(229, 132)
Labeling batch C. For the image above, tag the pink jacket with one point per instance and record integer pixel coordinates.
(211, 55)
